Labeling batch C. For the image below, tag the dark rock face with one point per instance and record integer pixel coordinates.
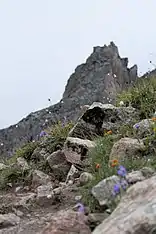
(98, 80)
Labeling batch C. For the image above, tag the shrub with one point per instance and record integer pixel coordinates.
(25, 152)
(57, 135)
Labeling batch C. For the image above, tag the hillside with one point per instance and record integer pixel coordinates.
(100, 78)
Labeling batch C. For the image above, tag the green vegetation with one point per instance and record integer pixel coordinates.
(55, 139)
(142, 97)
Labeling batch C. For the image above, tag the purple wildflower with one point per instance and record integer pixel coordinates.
(43, 133)
(136, 126)
(116, 189)
(80, 207)
(124, 184)
(122, 171)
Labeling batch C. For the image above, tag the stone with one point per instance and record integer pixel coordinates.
(7, 220)
(39, 178)
(85, 177)
(127, 148)
(143, 128)
(134, 177)
(67, 222)
(96, 218)
(102, 117)
(147, 172)
(59, 165)
(45, 195)
(39, 154)
(136, 212)
(72, 172)
(99, 79)
(22, 163)
(103, 190)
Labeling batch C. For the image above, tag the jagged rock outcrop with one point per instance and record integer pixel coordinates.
(99, 79)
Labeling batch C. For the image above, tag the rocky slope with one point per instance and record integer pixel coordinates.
(100, 78)
(43, 190)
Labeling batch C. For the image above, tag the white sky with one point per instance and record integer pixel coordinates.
(42, 42)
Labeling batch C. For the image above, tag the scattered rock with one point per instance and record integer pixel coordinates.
(134, 177)
(39, 178)
(143, 128)
(85, 177)
(59, 165)
(67, 222)
(127, 148)
(39, 154)
(147, 172)
(22, 163)
(72, 172)
(136, 212)
(45, 195)
(7, 220)
(96, 218)
(103, 190)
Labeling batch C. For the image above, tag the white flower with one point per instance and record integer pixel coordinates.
(2, 144)
(121, 103)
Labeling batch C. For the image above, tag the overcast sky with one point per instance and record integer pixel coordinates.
(42, 42)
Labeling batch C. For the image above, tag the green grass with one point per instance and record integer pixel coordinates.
(100, 155)
(142, 97)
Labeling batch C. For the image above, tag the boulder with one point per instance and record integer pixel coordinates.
(100, 118)
(59, 165)
(45, 195)
(136, 212)
(127, 148)
(103, 190)
(39, 178)
(67, 222)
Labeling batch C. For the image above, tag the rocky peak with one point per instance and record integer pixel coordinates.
(100, 78)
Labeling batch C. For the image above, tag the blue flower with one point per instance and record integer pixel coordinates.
(122, 171)
(80, 207)
(116, 189)
(124, 184)
(43, 133)
(136, 126)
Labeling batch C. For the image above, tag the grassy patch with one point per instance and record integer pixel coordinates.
(57, 135)
(25, 152)
(13, 175)
(100, 156)
(142, 97)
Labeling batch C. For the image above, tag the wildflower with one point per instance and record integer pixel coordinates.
(43, 133)
(109, 132)
(136, 126)
(124, 184)
(97, 166)
(114, 163)
(80, 207)
(121, 103)
(122, 171)
(116, 189)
